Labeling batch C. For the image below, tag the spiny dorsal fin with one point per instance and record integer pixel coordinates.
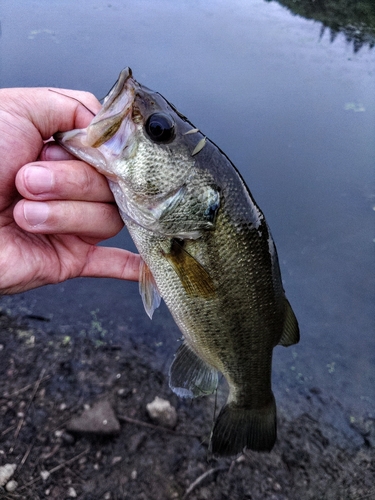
(189, 376)
(148, 289)
(194, 278)
(290, 334)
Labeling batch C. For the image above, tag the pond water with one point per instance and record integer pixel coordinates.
(293, 110)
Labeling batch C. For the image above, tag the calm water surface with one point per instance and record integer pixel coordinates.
(294, 112)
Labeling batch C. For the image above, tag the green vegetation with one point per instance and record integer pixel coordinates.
(355, 19)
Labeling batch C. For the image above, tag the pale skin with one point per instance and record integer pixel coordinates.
(54, 209)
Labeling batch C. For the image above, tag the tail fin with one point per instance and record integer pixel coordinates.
(238, 427)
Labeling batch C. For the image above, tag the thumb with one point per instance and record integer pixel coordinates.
(55, 110)
(29, 116)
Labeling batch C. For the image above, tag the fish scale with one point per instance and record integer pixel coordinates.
(207, 251)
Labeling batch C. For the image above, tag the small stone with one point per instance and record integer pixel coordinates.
(162, 412)
(6, 472)
(11, 485)
(116, 460)
(100, 419)
(44, 474)
(133, 475)
(135, 441)
(67, 438)
(72, 492)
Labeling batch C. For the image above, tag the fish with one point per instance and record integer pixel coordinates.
(206, 250)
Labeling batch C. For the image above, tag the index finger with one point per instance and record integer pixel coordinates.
(62, 180)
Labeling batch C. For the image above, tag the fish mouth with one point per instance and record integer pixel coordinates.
(119, 87)
(109, 136)
(117, 108)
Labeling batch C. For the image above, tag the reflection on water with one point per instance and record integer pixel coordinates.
(356, 20)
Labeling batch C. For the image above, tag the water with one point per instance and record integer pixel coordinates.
(294, 112)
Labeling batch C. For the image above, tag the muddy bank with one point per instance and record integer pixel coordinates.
(46, 379)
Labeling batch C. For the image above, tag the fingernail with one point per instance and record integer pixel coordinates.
(38, 179)
(35, 212)
(54, 152)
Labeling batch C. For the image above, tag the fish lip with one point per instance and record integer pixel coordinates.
(118, 87)
(117, 108)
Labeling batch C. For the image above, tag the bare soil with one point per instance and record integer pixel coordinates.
(47, 379)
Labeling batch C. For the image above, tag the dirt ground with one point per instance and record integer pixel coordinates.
(47, 379)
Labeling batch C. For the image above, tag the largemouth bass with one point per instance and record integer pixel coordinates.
(206, 250)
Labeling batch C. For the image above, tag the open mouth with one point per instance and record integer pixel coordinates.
(116, 108)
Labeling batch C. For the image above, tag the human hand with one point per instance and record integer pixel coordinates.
(53, 209)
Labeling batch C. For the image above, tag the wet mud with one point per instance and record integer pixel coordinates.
(47, 378)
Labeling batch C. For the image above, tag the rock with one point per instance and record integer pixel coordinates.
(72, 493)
(162, 412)
(11, 486)
(44, 474)
(100, 419)
(133, 475)
(135, 441)
(6, 472)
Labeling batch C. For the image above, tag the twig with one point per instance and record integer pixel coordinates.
(24, 458)
(201, 478)
(55, 469)
(23, 389)
(7, 430)
(369, 495)
(233, 463)
(71, 460)
(124, 418)
(37, 384)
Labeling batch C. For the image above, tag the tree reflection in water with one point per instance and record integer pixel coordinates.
(356, 20)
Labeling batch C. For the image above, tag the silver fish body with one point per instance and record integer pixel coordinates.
(206, 250)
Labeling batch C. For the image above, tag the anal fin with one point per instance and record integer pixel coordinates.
(189, 376)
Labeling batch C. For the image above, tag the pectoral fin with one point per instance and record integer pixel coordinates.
(290, 334)
(189, 376)
(148, 289)
(195, 279)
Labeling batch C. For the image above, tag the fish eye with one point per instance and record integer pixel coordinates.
(160, 128)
